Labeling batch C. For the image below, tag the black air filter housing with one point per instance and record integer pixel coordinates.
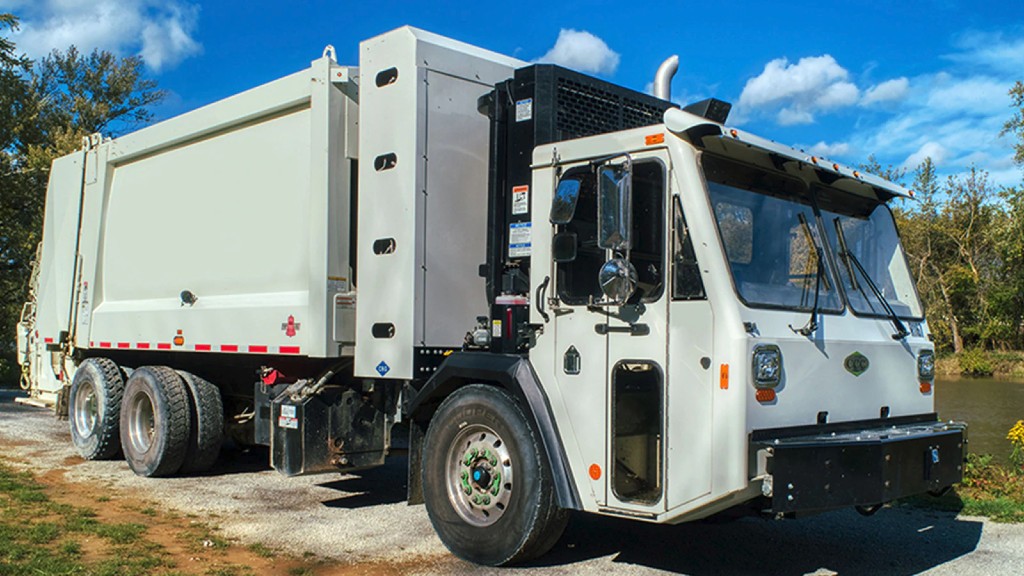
(541, 104)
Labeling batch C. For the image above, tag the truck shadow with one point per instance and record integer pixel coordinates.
(896, 541)
(382, 485)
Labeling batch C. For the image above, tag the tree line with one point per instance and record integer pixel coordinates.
(964, 239)
(46, 108)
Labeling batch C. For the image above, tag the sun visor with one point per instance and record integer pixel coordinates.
(752, 149)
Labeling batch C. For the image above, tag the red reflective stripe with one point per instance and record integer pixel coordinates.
(257, 349)
(163, 345)
(142, 345)
(203, 347)
(104, 344)
(48, 340)
(289, 349)
(229, 348)
(124, 345)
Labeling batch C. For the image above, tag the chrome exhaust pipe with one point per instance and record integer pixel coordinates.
(663, 79)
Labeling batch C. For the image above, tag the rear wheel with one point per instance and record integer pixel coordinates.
(155, 421)
(486, 484)
(94, 409)
(206, 433)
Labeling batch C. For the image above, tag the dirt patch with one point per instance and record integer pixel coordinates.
(191, 545)
(73, 461)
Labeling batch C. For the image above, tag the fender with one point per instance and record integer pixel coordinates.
(511, 372)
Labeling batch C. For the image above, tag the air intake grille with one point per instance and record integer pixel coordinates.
(584, 109)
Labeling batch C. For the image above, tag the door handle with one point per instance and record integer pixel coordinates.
(632, 329)
(541, 291)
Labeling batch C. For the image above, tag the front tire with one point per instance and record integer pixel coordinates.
(486, 485)
(155, 421)
(94, 409)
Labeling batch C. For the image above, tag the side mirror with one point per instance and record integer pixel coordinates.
(614, 207)
(563, 205)
(563, 247)
(618, 280)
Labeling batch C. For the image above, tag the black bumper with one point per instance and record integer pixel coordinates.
(863, 463)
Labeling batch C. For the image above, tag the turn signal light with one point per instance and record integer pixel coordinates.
(723, 377)
(765, 394)
(926, 387)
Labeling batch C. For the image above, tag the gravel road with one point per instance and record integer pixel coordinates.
(362, 518)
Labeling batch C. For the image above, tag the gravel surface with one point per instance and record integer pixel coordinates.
(362, 518)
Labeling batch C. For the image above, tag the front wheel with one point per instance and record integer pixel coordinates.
(486, 485)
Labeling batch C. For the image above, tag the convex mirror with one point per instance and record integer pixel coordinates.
(618, 280)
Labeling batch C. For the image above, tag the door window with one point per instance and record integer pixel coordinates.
(577, 280)
(686, 281)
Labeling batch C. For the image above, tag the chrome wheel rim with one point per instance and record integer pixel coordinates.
(141, 422)
(86, 410)
(480, 475)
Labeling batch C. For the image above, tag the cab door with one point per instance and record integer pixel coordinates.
(611, 356)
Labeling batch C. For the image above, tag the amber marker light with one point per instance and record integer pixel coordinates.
(179, 340)
(723, 377)
(765, 394)
(595, 472)
(652, 139)
(734, 133)
(926, 387)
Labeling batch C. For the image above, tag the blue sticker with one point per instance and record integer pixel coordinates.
(383, 368)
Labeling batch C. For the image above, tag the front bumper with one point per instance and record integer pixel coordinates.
(863, 463)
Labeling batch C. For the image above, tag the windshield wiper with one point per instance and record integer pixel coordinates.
(812, 322)
(849, 258)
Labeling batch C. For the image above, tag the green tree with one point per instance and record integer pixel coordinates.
(46, 108)
(1015, 125)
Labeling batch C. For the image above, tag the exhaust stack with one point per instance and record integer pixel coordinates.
(663, 78)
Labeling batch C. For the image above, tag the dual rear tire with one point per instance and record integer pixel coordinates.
(164, 422)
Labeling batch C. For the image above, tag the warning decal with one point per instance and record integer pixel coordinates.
(288, 417)
(519, 240)
(520, 199)
(524, 110)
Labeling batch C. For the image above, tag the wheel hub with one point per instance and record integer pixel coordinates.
(480, 475)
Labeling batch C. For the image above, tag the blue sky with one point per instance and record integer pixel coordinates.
(900, 80)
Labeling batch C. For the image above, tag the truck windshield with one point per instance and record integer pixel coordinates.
(866, 229)
(770, 229)
(771, 239)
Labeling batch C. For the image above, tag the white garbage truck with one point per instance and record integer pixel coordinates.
(576, 296)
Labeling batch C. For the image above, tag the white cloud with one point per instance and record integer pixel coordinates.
(991, 50)
(888, 91)
(582, 51)
(937, 152)
(833, 150)
(797, 91)
(162, 31)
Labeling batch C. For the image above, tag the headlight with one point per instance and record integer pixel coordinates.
(926, 365)
(767, 366)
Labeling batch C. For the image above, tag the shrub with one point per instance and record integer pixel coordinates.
(974, 362)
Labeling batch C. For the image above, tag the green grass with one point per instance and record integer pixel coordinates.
(261, 550)
(41, 536)
(988, 489)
